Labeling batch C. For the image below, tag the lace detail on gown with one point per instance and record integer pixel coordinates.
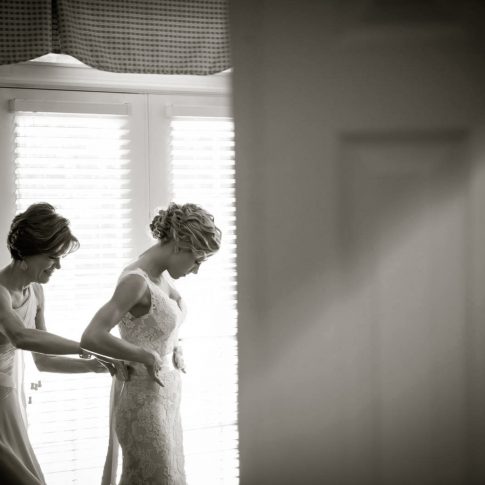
(147, 419)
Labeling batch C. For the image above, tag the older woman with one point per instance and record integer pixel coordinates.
(38, 238)
(149, 311)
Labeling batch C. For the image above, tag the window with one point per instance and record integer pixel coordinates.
(202, 169)
(106, 161)
(79, 157)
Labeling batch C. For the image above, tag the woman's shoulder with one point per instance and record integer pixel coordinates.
(132, 287)
(3, 280)
(5, 296)
(132, 271)
(5, 291)
(133, 278)
(133, 266)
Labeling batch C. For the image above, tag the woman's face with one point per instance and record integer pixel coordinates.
(183, 263)
(41, 266)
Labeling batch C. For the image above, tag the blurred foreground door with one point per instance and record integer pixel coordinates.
(360, 140)
(411, 166)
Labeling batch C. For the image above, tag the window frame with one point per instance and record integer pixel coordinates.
(138, 122)
(161, 107)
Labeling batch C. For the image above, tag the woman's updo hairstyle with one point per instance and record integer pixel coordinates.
(189, 226)
(40, 230)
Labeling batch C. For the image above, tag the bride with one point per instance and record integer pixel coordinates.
(149, 311)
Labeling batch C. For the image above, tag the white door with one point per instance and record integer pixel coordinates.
(408, 247)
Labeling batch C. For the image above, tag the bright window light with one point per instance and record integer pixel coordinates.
(79, 163)
(202, 171)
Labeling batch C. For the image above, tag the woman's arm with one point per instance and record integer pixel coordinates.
(54, 363)
(28, 338)
(97, 338)
(67, 365)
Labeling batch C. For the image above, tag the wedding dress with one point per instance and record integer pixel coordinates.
(147, 420)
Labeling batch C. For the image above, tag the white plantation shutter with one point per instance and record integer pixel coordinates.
(81, 164)
(202, 171)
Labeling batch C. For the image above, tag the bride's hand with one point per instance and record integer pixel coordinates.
(178, 358)
(155, 367)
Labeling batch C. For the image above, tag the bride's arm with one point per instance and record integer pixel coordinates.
(28, 338)
(97, 338)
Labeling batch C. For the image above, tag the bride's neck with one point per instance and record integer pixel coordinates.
(154, 261)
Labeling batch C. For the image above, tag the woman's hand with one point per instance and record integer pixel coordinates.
(155, 367)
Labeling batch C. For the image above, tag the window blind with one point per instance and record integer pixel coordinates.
(202, 171)
(80, 163)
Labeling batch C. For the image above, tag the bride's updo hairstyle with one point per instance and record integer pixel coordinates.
(40, 230)
(189, 226)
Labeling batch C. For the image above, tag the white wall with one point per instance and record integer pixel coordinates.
(315, 405)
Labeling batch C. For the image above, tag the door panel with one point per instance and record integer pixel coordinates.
(360, 140)
(406, 207)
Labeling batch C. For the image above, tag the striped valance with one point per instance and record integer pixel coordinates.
(143, 36)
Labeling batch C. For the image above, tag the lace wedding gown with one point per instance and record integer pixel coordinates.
(147, 416)
(18, 458)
